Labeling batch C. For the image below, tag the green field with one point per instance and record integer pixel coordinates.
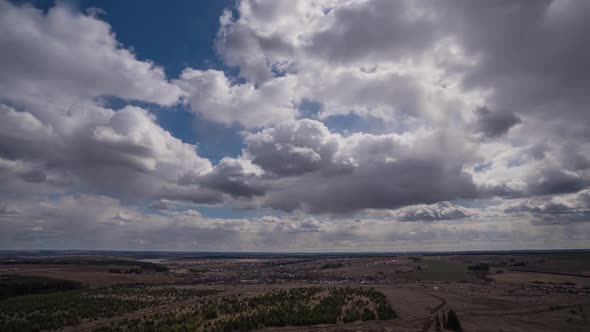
(439, 270)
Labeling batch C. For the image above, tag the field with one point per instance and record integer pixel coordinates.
(486, 292)
(439, 270)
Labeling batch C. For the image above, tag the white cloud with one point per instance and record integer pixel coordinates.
(124, 152)
(467, 95)
(62, 57)
(438, 211)
(91, 221)
(213, 95)
(320, 171)
(373, 58)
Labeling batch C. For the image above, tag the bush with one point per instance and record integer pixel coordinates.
(481, 267)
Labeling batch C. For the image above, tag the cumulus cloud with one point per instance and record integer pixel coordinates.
(292, 148)
(92, 221)
(529, 53)
(380, 30)
(425, 64)
(124, 151)
(238, 178)
(372, 69)
(326, 172)
(561, 209)
(57, 134)
(419, 66)
(419, 69)
(213, 95)
(438, 211)
(555, 181)
(63, 55)
(495, 124)
(162, 204)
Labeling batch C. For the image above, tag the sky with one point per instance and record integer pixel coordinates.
(294, 126)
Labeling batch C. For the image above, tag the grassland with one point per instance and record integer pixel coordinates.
(439, 270)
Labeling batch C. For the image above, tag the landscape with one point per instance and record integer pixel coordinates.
(183, 291)
(294, 165)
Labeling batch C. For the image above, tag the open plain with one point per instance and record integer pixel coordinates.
(546, 291)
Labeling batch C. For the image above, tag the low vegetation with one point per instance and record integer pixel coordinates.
(481, 267)
(17, 285)
(59, 309)
(290, 307)
(129, 271)
(282, 307)
(438, 270)
(82, 261)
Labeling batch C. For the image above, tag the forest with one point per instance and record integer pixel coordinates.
(56, 310)
(277, 308)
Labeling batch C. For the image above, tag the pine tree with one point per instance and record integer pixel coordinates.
(437, 325)
(452, 322)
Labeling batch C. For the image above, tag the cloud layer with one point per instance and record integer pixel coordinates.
(361, 122)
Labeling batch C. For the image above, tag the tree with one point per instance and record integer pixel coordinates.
(453, 321)
(437, 325)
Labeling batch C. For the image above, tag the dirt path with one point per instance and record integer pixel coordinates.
(548, 272)
(430, 320)
(527, 309)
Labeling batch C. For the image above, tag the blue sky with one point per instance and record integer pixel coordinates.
(317, 125)
(175, 36)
